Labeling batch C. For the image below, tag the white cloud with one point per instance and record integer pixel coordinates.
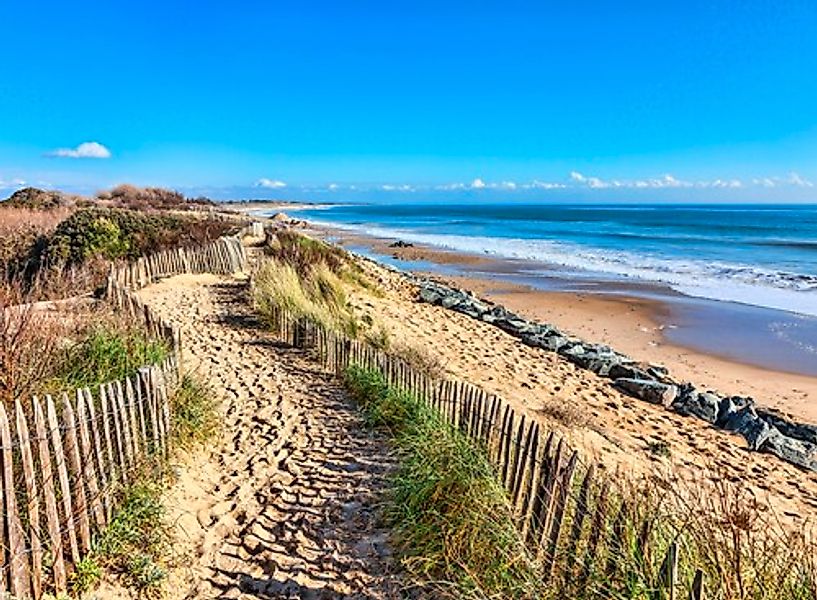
(332, 187)
(84, 150)
(397, 188)
(477, 184)
(542, 185)
(795, 179)
(272, 184)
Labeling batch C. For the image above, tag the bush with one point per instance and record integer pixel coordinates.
(139, 198)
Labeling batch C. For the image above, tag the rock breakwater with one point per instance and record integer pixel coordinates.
(764, 429)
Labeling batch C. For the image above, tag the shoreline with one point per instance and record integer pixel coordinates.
(639, 330)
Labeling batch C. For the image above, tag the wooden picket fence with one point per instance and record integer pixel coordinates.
(65, 460)
(583, 532)
(223, 256)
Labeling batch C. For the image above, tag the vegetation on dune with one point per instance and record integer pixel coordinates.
(140, 198)
(118, 233)
(66, 251)
(305, 278)
(452, 518)
(106, 352)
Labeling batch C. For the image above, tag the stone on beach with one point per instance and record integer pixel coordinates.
(654, 392)
(691, 402)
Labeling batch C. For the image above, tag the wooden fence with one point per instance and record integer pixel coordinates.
(224, 256)
(583, 530)
(64, 461)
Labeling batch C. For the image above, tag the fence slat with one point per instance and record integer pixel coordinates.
(75, 465)
(62, 471)
(18, 573)
(88, 469)
(33, 507)
(50, 497)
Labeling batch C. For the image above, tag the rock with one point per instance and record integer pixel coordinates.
(450, 301)
(746, 422)
(649, 390)
(729, 406)
(628, 371)
(401, 244)
(796, 452)
(429, 295)
(691, 402)
(555, 342)
(792, 429)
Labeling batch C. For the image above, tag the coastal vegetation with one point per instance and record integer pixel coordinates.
(451, 516)
(55, 245)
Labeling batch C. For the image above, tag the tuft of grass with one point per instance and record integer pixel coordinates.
(419, 358)
(318, 297)
(106, 353)
(137, 544)
(195, 413)
(452, 518)
(86, 575)
(378, 338)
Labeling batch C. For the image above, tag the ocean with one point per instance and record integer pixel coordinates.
(745, 256)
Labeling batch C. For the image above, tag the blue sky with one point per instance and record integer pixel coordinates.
(706, 100)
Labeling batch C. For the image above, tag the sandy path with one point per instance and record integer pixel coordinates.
(284, 505)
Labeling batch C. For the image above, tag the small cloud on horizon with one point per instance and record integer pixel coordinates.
(84, 150)
(271, 184)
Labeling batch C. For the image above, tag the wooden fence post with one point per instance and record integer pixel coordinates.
(50, 497)
(18, 573)
(33, 507)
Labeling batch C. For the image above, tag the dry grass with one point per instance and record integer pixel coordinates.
(319, 296)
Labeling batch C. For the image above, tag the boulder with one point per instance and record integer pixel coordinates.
(555, 342)
(792, 429)
(401, 244)
(729, 406)
(628, 371)
(451, 300)
(649, 390)
(429, 295)
(746, 422)
(691, 402)
(796, 452)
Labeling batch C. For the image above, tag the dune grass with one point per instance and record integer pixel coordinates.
(106, 353)
(452, 519)
(317, 295)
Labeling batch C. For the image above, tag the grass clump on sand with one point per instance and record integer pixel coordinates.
(451, 515)
(317, 295)
(136, 547)
(195, 413)
(106, 353)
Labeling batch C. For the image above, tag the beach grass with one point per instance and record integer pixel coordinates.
(451, 517)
